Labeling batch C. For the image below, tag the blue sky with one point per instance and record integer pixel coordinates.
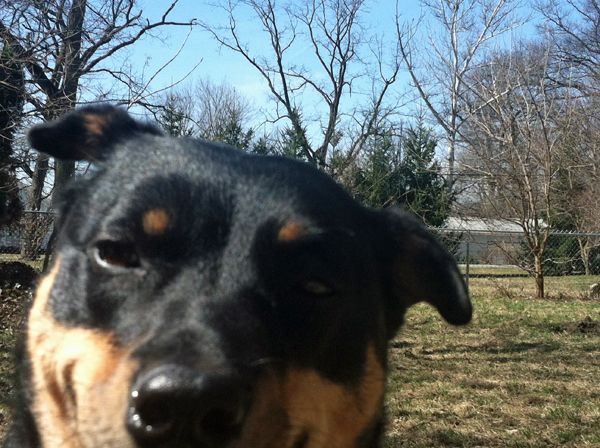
(221, 64)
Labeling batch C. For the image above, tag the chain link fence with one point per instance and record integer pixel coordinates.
(502, 262)
(29, 240)
(493, 262)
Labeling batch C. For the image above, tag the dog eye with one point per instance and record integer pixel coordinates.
(317, 288)
(116, 254)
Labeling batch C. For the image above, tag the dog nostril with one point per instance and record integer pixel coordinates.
(175, 404)
(219, 423)
(151, 418)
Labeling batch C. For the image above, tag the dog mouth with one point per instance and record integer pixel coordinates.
(301, 441)
(271, 437)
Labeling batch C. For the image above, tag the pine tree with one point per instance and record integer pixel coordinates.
(232, 133)
(426, 191)
(12, 87)
(405, 173)
(173, 119)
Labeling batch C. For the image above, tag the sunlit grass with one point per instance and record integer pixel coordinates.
(523, 374)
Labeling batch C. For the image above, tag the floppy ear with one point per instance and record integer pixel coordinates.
(419, 268)
(86, 133)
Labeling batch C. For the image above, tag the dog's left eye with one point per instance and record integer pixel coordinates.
(317, 288)
(116, 254)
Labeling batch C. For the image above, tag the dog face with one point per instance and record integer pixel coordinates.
(204, 297)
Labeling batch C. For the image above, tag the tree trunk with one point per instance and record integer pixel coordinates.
(539, 277)
(35, 231)
(34, 202)
(451, 160)
(584, 252)
(63, 172)
(37, 182)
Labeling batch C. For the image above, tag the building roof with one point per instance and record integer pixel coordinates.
(485, 225)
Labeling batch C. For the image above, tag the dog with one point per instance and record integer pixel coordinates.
(201, 296)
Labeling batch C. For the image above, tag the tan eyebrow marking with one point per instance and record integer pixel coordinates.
(291, 231)
(155, 221)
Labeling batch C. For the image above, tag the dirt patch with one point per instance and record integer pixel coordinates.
(585, 326)
(14, 274)
(17, 281)
(13, 302)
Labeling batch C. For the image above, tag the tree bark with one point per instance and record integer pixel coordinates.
(539, 277)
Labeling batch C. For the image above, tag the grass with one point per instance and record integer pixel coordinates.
(36, 264)
(484, 269)
(6, 377)
(573, 287)
(525, 373)
(11, 312)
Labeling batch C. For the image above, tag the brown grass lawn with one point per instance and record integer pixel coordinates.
(11, 306)
(570, 287)
(525, 373)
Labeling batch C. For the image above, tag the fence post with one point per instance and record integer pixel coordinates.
(49, 249)
(468, 266)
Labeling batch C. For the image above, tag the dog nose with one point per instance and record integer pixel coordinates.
(177, 405)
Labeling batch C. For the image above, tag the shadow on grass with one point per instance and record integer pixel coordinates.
(6, 375)
(426, 437)
(586, 326)
(508, 348)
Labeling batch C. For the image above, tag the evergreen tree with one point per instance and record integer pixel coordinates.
(292, 144)
(426, 191)
(405, 173)
(173, 119)
(232, 133)
(378, 182)
(261, 147)
(12, 85)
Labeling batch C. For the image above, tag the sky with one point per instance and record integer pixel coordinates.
(222, 65)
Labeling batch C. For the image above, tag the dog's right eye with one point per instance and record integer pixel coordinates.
(317, 288)
(116, 254)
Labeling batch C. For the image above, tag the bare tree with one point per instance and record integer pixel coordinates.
(587, 217)
(577, 202)
(459, 32)
(573, 27)
(338, 52)
(222, 113)
(515, 141)
(60, 43)
(208, 110)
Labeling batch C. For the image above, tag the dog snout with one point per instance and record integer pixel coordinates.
(176, 405)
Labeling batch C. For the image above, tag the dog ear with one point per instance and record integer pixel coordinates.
(86, 133)
(419, 269)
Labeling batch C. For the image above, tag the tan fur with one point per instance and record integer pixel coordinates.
(291, 232)
(80, 380)
(304, 402)
(81, 383)
(95, 124)
(155, 221)
(267, 426)
(334, 416)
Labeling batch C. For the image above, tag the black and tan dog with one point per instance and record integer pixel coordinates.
(204, 297)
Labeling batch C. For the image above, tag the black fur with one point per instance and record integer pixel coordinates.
(217, 288)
